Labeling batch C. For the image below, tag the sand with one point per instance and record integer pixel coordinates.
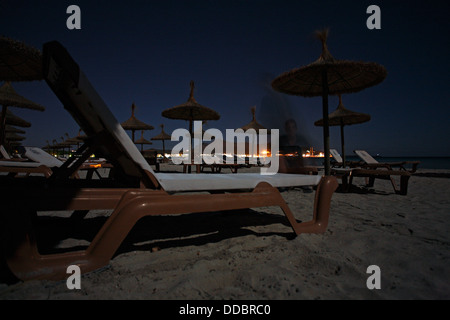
(251, 254)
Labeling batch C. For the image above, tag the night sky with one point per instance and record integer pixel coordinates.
(147, 52)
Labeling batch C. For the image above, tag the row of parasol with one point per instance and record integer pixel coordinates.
(323, 77)
(9, 134)
(18, 62)
(133, 124)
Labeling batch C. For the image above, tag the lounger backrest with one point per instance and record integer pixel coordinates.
(42, 157)
(336, 155)
(66, 79)
(366, 157)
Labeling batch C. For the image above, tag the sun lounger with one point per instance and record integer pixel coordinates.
(338, 160)
(370, 162)
(136, 191)
(36, 161)
(40, 156)
(346, 175)
(370, 169)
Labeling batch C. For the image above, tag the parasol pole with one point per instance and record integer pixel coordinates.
(191, 98)
(342, 133)
(191, 154)
(3, 125)
(326, 129)
(342, 144)
(132, 115)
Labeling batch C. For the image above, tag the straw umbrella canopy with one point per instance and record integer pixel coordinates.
(65, 144)
(191, 111)
(77, 139)
(142, 141)
(55, 145)
(10, 98)
(47, 147)
(13, 137)
(343, 117)
(255, 125)
(19, 62)
(14, 120)
(134, 124)
(163, 136)
(12, 129)
(329, 76)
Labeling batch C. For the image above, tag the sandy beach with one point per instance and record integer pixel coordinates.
(252, 254)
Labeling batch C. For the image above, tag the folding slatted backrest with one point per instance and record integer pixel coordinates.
(366, 157)
(336, 155)
(81, 100)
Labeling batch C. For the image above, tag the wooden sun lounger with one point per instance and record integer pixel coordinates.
(371, 163)
(39, 162)
(347, 174)
(337, 157)
(36, 161)
(135, 190)
(369, 171)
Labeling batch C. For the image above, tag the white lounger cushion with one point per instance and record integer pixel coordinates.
(229, 181)
(42, 157)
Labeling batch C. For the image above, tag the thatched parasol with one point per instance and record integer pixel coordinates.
(163, 136)
(77, 139)
(134, 124)
(65, 144)
(14, 120)
(327, 76)
(142, 141)
(19, 62)
(47, 147)
(9, 136)
(55, 146)
(12, 129)
(256, 126)
(191, 110)
(343, 117)
(10, 98)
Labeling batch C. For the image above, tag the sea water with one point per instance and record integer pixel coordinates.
(425, 162)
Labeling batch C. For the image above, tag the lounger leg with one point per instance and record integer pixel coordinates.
(403, 185)
(321, 212)
(371, 182)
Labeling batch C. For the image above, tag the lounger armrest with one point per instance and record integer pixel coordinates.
(376, 166)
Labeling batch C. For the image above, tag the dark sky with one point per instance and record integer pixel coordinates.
(148, 51)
